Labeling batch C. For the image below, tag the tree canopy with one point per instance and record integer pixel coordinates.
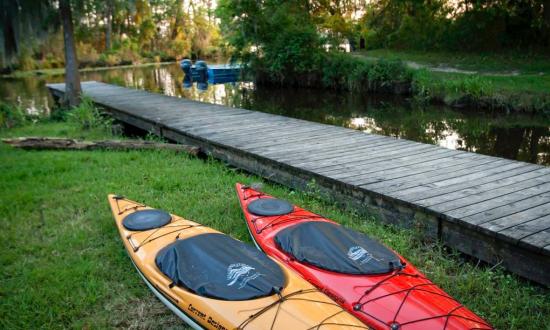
(108, 32)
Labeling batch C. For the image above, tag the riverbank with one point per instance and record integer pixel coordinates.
(519, 92)
(75, 273)
(503, 82)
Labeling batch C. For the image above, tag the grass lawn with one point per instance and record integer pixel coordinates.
(507, 81)
(507, 62)
(64, 266)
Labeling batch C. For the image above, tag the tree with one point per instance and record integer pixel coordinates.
(72, 77)
(109, 24)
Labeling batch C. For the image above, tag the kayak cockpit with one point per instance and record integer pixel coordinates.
(217, 266)
(335, 248)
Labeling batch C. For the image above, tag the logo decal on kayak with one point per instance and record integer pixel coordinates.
(359, 254)
(241, 274)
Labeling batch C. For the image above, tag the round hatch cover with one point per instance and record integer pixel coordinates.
(146, 219)
(270, 207)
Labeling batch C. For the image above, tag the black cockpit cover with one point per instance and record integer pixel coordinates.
(335, 248)
(218, 266)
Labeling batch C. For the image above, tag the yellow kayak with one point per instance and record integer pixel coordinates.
(213, 281)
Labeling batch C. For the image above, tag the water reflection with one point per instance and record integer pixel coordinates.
(519, 137)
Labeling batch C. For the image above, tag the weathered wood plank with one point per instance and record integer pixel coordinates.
(346, 144)
(355, 163)
(528, 228)
(456, 201)
(420, 187)
(515, 219)
(288, 141)
(390, 160)
(482, 204)
(482, 215)
(541, 239)
(455, 183)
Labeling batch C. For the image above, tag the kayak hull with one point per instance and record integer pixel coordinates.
(401, 299)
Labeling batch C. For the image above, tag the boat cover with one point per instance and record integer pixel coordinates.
(335, 248)
(270, 207)
(146, 219)
(217, 266)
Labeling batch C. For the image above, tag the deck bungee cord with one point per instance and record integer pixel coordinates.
(292, 296)
(359, 306)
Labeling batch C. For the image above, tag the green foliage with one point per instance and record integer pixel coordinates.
(188, 30)
(341, 71)
(276, 37)
(282, 43)
(25, 60)
(456, 25)
(11, 116)
(87, 116)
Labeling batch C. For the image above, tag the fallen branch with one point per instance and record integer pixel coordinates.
(45, 143)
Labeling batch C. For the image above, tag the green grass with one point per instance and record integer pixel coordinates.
(507, 62)
(64, 266)
(528, 90)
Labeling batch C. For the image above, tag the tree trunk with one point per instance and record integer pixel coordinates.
(72, 77)
(109, 27)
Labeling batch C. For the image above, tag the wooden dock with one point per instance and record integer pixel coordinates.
(495, 209)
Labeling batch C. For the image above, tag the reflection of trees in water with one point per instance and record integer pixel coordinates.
(526, 143)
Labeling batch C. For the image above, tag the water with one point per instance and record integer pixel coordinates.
(521, 137)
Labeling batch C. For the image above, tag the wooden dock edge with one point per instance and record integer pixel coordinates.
(528, 263)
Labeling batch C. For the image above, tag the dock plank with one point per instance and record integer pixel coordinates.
(479, 205)
(458, 200)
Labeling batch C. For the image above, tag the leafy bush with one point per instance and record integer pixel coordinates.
(341, 71)
(25, 60)
(129, 56)
(107, 59)
(87, 54)
(386, 73)
(88, 116)
(11, 116)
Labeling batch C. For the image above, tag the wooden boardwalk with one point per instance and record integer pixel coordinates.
(495, 209)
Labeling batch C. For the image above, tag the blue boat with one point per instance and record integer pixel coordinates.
(214, 74)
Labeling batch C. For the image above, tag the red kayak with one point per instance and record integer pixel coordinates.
(371, 281)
